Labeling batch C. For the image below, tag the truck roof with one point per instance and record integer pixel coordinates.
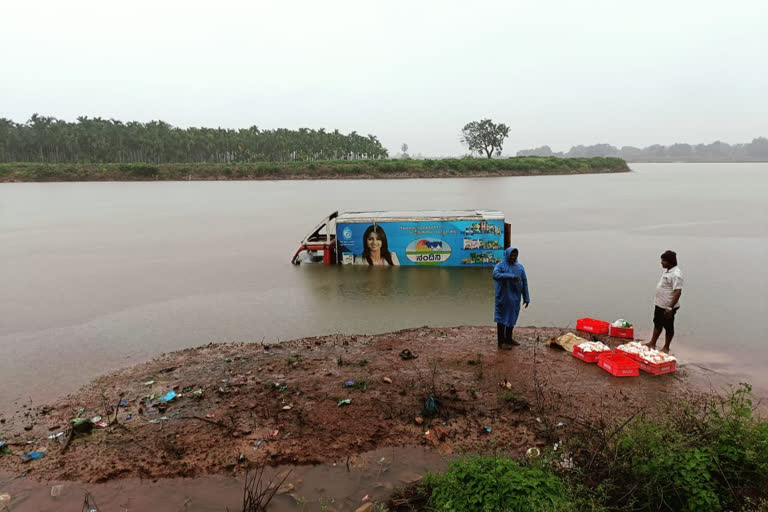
(419, 215)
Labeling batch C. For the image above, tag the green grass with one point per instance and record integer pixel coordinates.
(20, 172)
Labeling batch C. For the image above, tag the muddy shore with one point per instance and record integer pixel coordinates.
(243, 404)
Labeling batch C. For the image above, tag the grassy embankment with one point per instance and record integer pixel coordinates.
(520, 166)
(710, 455)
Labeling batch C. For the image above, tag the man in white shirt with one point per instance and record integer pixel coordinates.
(667, 300)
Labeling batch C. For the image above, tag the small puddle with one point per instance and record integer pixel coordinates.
(340, 486)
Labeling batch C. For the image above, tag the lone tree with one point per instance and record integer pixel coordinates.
(404, 149)
(484, 136)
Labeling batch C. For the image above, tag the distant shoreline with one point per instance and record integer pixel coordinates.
(327, 170)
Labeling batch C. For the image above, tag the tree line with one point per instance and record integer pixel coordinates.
(96, 140)
(755, 151)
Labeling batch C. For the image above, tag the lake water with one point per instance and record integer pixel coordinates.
(95, 276)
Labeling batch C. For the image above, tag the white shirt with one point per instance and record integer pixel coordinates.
(670, 281)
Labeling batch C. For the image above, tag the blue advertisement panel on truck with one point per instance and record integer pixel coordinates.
(463, 238)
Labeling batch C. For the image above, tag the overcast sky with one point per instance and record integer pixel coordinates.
(558, 73)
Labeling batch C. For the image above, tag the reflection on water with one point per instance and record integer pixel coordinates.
(98, 275)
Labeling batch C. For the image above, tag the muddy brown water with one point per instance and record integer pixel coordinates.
(331, 487)
(95, 276)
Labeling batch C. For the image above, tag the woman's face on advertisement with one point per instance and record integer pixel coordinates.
(373, 241)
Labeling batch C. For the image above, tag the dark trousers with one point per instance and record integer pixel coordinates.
(504, 333)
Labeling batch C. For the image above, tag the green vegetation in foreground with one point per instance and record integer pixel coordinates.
(706, 456)
(20, 172)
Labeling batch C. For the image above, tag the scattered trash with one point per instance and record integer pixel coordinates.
(102, 424)
(82, 425)
(123, 403)
(96, 419)
(198, 393)
(5, 498)
(80, 411)
(128, 416)
(387, 380)
(32, 456)
(441, 433)
(210, 415)
(287, 407)
(282, 388)
(430, 406)
(56, 490)
(419, 420)
(560, 425)
(274, 432)
(286, 489)
(366, 498)
(345, 401)
(150, 411)
(622, 324)
(533, 453)
(406, 354)
(52, 436)
(169, 396)
(257, 444)
(149, 383)
(538, 420)
(349, 383)
(487, 428)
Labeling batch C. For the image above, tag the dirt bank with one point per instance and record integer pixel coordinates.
(283, 404)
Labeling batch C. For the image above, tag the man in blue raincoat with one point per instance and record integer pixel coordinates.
(511, 283)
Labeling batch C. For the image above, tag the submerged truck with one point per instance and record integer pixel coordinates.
(448, 238)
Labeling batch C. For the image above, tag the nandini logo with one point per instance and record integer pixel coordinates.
(347, 233)
(428, 251)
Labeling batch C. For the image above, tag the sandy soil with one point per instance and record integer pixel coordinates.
(280, 404)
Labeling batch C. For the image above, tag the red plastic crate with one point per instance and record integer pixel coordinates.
(592, 325)
(658, 369)
(587, 357)
(619, 332)
(618, 365)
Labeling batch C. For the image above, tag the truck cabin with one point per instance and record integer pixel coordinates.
(319, 246)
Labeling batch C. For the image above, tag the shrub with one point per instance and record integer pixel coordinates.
(494, 483)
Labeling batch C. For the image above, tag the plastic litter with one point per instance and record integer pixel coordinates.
(32, 456)
(560, 425)
(623, 324)
(82, 425)
(54, 436)
(96, 419)
(487, 428)
(198, 393)
(128, 416)
(430, 407)
(123, 403)
(387, 380)
(80, 411)
(366, 498)
(349, 383)
(533, 452)
(56, 490)
(5, 498)
(149, 383)
(287, 407)
(345, 401)
(168, 396)
(102, 424)
(210, 415)
(257, 444)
